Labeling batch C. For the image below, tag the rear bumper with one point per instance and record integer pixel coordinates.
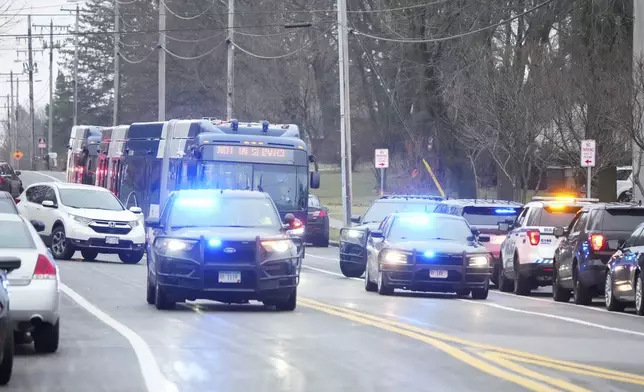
(315, 230)
(593, 273)
(40, 298)
(541, 270)
(417, 277)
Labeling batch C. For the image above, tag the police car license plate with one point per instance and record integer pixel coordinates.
(112, 240)
(229, 277)
(440, 274)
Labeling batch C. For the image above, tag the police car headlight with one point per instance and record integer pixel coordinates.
(171, 245)
(277, 246)
(394, 257)
(353, 233)
(478, 261)
(81, 219)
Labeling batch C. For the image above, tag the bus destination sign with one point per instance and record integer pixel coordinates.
(252, 154)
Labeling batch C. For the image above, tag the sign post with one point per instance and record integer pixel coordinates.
(588, 150)
(42, 145)
(382, 163)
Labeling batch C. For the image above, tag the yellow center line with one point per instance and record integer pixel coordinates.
(538, 359)
(505, 361)
(442, 346)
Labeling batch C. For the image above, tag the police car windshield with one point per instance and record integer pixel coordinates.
(90, 198)
(223, 212)
(378, 211)
(489, 216)
(428, 228)
(557, 216)
(14, 235)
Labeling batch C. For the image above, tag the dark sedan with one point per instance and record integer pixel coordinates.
(317, 223)
(427, 252)
(9, 180)
(624, 283)
(224, 245)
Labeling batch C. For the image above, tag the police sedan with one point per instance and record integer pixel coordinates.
(427, 252)
(223, 245)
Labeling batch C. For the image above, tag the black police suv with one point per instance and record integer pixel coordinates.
(624, 281)
(223, 245)
(317, 223)
(10, 180)
(485, 215)
(353, 240)
(588, 243)
(427, 252)
(7, 264)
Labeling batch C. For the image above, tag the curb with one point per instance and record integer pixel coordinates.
(334, 243)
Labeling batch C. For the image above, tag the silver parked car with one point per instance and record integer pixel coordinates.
(34, 287)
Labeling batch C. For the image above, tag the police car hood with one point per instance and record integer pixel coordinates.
(369, 225)
(227, 233)
(438, 246)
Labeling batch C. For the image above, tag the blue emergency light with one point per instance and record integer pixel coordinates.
(214, 242)
(502, 211)
(429, 253)
(234, 124)
(265, 126)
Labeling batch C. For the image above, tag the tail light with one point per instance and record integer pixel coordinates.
(45, 269)
(597, 241)
(16, 200)
(534, 236)
(2, 180)
(296, 224)
(319, 214)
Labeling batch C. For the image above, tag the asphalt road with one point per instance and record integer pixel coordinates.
(340, 338)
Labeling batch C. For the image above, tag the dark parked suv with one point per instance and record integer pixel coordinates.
(9, 181)
(591, 239)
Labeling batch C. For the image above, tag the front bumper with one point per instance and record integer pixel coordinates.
(415, 276)
(196, 275)
(84, 237)
(38, 298)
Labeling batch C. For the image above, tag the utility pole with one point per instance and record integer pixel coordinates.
(117, 62)
(31, 96)
(638, 56)
(230, 81)
(162, 28)
(75, 76)
(345, 109)
(11, 116)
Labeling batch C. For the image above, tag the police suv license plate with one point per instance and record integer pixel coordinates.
(440, 274)
(229, 277)
(112, 240)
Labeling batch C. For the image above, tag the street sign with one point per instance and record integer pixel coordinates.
(382, 158)
(588, 153)
(18, 155)
(42, 143)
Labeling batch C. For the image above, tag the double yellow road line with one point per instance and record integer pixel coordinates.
(496, 361)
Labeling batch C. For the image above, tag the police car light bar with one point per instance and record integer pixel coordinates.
(565, 199)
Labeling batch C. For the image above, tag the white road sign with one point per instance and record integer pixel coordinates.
(42, 143)
(588, 153)
(382, 158)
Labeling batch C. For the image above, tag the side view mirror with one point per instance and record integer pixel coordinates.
(315, 180)
(504, 226)
(136, 210)
(18, 172)
(484, 238)
(558, 232)
(9, 263)
(49, 204)
(355, 219)
(154, 223)
(376, 234)
(38, 225)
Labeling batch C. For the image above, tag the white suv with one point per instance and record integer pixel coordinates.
(85, 218)
(528, 250)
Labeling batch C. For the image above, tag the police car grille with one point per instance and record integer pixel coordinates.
(244, 252)
(440, 260)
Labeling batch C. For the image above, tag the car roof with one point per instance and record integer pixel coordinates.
(68, 185)
(10, 218)
(612, 206)
(408, 199)
(431, 214)
(482, 203)
(5, 195)
(228, 193)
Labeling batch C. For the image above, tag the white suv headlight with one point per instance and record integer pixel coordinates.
(134, 223)
(81, 219)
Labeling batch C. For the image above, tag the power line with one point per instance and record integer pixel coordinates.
(176, 15)
(194, 41)
(451, 37)
(121, 55)
(284, 55)
(408, 7)
(194, 57)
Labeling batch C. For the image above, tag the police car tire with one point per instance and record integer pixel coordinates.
(639, 290)
(505, 285)
(581, 294)
(161, 300)
(288, 304)
(6, 367)
(47, 337)
(150, 296)
(480, 293)
(351, 270)
(521, 284)
(368, 284)
(383, 289)
(559, 294)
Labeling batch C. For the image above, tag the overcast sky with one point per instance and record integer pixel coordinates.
(12, 55)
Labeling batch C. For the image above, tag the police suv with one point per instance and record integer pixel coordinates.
(527, 252)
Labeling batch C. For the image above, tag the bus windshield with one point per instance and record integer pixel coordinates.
(287, 185)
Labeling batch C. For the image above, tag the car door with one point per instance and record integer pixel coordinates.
(568, 247)
(32, 205)
(49, 215)
(509, 245)
(374, 246)
(623, 265)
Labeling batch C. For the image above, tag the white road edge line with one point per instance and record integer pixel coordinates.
(46, 175)
(155, 381)
(330, 273)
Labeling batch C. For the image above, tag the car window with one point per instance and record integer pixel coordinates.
(50, 194)
(594, 221)
(223, 212)
(632, 239)
(580, 222)
(36, 194)
(622, 219)
(622, 175)
(97, 199)
(15, 235)
(379, 210)
(639, 240)
(557, 215)
(426, 228)
(7, 206)
(521, 217)
(489, 216)
(314, 202)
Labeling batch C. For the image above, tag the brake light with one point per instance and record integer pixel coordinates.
(16, 200)
(45, 269)
(1, 180)
(296, 224)
(597, 242)
(319, 214)
(534, 236)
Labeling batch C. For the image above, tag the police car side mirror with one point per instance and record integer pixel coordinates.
(153, 223)
(376, 234)
(355, 219)
(484, 238)
(558, 232)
